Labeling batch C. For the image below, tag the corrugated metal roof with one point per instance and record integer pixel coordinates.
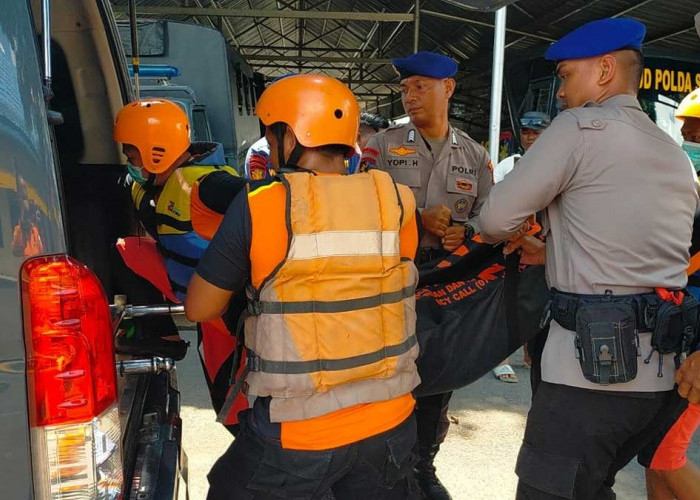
(669, 22)
(467, 36)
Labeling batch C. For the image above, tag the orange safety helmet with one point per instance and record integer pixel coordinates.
(319, 109)
(158, 128)
(689, 106)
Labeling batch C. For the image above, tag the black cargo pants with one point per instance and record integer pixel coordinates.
(376, 468)
(576, 440)
(431, 419)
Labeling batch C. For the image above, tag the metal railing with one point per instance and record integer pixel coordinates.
(120, 311)
(154, 365)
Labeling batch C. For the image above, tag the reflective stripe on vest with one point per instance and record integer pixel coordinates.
(343, 243)
(317, 365)
(311, 306)
(334, 325)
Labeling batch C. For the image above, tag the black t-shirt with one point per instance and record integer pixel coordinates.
(226, 263)
(218, 189)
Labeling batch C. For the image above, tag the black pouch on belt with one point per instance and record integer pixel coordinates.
(607, 342)
(676, 326)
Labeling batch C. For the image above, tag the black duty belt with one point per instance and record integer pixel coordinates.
(562, 307)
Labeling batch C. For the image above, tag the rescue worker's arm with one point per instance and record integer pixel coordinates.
(484, 185)
(542, 173)
(225, 266)
(204, 301)
(688, 378)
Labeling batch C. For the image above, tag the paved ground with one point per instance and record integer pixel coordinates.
(476, 462)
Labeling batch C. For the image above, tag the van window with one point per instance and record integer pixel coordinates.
(28, 184)
(200, 125)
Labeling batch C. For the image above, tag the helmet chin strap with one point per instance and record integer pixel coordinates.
(150, 181)
(287, 165)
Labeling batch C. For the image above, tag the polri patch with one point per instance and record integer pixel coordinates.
(461, 205)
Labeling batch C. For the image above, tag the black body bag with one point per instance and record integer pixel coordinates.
(474, 309)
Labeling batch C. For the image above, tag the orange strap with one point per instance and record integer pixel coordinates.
(694, 264)
(670, 296)
(218, 345)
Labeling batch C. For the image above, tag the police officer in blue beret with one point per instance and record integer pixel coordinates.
(450, 175)
(619, 198)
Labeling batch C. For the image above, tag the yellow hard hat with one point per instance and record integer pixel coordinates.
(690, 106)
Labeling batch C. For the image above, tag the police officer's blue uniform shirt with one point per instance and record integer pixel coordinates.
(597, 38)
(425, 63)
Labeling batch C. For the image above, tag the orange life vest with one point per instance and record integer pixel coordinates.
(334, 325)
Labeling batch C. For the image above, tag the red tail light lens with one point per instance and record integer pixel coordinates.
(68, 337)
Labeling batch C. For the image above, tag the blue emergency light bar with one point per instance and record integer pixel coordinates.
(156, 71)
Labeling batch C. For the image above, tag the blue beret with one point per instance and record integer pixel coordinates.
(425, 64)
(597, 38)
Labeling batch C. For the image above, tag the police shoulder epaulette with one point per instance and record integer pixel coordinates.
(394, 127)
(592, 117)
(461, 133)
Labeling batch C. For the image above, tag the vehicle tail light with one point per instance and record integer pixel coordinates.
(76, 437)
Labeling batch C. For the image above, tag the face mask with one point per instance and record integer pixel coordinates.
(136, 173)
(692, 149)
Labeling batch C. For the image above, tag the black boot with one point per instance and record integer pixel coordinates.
(429, 484)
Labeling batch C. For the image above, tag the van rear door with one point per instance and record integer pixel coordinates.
(30, 223)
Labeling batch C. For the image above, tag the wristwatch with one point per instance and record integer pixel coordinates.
(469, 231)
